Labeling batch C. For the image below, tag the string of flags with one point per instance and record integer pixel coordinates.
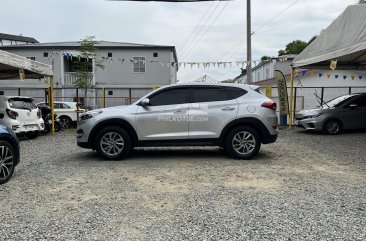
(327, 75)
(142, 60)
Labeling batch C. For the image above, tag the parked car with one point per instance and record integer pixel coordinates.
(235, 117)
(21, 115)
(345, 112)
(9, 153)
(66, 112)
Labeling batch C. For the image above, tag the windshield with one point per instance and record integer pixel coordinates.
(22, 103)
(337, 101)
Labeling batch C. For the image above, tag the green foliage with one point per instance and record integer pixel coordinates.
(281, 52)
(84, 70)
(84, 65)
(265, 58)
(296, 46)
(361, 2)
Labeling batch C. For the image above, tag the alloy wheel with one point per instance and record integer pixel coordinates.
(6, 162)
(244, 142)
(332, 127)
(112, 143)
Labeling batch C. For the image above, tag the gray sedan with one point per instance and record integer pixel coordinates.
(342, 113)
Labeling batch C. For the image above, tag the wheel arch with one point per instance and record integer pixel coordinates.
(113, 122)
(333, 118)
(246, 121)
(14, 145)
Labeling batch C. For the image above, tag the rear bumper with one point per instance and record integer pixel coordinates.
(19, 127)
(269, 139)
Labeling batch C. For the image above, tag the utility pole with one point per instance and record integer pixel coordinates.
(249, 45)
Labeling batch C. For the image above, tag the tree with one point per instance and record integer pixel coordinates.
(265, 58)
(85, 71)
(361, 2)
(281, 52)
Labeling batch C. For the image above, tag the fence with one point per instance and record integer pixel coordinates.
(96, 97)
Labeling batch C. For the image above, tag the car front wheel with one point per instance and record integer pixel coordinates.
(113, 143)
(242, 142)
(332, 127)
(7, 161)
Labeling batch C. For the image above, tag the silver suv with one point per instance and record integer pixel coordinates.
(235, 117)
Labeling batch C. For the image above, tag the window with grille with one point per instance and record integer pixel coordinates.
(139, 65)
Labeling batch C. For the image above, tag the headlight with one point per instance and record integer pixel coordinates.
(90, 114)
(314, 116)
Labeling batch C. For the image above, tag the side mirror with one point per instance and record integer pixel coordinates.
(352, 106)
(145, 102)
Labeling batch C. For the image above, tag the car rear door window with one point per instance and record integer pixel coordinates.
(169, 97)
(211, 94)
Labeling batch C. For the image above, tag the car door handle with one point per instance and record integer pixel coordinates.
(228, 108)
(179, 111)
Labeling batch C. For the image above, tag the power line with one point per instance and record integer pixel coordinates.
(297, 23)
(275, 16)
(207, 28)
(196, 28)
(200, 29)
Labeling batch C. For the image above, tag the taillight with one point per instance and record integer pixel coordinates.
(12, 114)
(270, 104)
(39, 114)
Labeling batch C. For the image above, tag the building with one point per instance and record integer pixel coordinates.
(327, 84)
(130, 70)
(8, 39)
(264, 72)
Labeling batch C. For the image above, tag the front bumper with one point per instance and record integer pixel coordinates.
(84, 145)
(310, 124)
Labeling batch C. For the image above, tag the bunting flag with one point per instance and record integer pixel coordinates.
(328, 76)
(320, 75)
(344, 76)
(336, 76)
(352, 77)
(360, 77)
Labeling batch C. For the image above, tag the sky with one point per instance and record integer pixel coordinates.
(201, 32)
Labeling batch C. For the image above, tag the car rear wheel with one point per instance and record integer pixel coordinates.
(113, 143)
(332, 127)
(7, 161)
(242, 142)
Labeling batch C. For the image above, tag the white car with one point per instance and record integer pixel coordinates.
(67, 112)
(21, 115)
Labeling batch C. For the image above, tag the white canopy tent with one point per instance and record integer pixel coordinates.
(11, 65)
(344, 40)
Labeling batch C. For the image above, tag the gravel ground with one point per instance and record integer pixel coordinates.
(306, 186)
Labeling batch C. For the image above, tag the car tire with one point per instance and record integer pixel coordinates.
(242, 142)
(113, 143)
(7, 161)
(32, 134)
(57, 126)
(65, 122)
(332, 127)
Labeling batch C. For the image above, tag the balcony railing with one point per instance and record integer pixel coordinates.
(71, 77)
